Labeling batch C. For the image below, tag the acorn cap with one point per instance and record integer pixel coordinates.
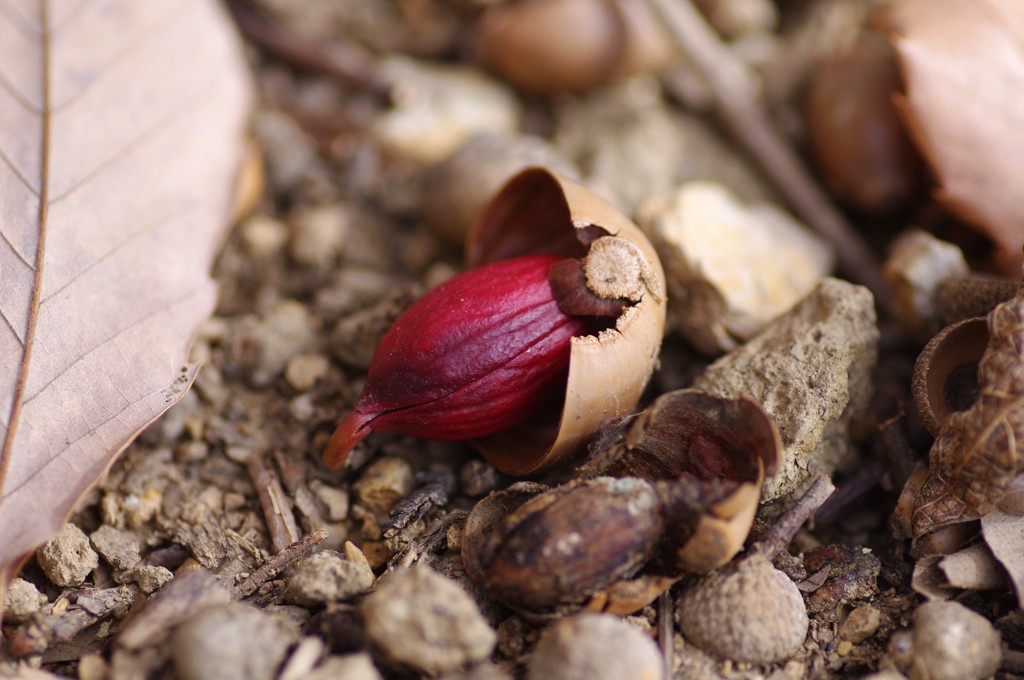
(748, 611)
(540, 211)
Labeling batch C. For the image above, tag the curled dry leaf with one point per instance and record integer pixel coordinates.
(977, 453)
(671, 491)
(120, 145)
(963, 63)
(540, 211)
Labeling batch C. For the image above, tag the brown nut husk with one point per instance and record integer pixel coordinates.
(946, 371)
(540, 211)
(555, 549)
(713, 453)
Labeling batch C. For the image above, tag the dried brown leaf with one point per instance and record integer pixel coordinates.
(977, 453)
(1004, 535)
(963, 63)
(121, 131)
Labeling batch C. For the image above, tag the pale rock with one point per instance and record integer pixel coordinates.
(731, 269)
(303, 371)
(67, 559)
(21, 601)
(319, 235)
(812, 373)
(917, 264)
(423, 620)
(263, 236)
(329, 577)
(233, 642)
(438, 107)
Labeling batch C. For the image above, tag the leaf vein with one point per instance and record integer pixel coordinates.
(19, 22)
(117, 247)
(151, 132)
(105, 341)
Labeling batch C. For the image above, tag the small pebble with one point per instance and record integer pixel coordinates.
(263, 236)
(348, 667)
(67, 559)
(151, 578)
(860, 624)
(21, 601)
(595, 647)
(385, 482)
(948, 642)
(329, 577)
(303, 371)
(335, 500)
(319, 235)
(285, 330)
(424, 620)
(233, 642)
(118, 547)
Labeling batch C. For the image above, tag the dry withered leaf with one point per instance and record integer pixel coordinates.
(963, 63)
(1004, 535)
(121, 132)
(977, 453)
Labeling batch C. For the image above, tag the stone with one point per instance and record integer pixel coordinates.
(319, 235)
(595, 647)
(21, 601)
(233, 642)
(330, 577)
(731, 269)
(304, 371)
(151, 578)
(812, 373)
(423, 620)
(67, 559)
(118, 547)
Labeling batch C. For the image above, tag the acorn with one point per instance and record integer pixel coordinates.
(855, 133)
(552, 46)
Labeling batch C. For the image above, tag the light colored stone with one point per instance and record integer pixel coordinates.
(329, 577)
(335, 499)
(595, 647)
(812, 373)
(151, 578)
(438, 107)
(263, 236)
(350, 667)
(731, 269)
(67, 559)
(948, 642)
(118, 547)
(917, 264)
(21, 601)
(285, 330)
(233, 642)
(385, 482)
(422, 619)
(319, 235)
(303, 371)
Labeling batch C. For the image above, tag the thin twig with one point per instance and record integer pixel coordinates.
(782, 533)
(341, 60)
(89, 606)
(735, 90)
(278, 563)
(277, 509)
(666, 632)
(850, 490)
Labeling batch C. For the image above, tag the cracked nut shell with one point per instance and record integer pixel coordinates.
(540, 211)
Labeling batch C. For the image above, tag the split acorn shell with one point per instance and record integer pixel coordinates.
(541, 211)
